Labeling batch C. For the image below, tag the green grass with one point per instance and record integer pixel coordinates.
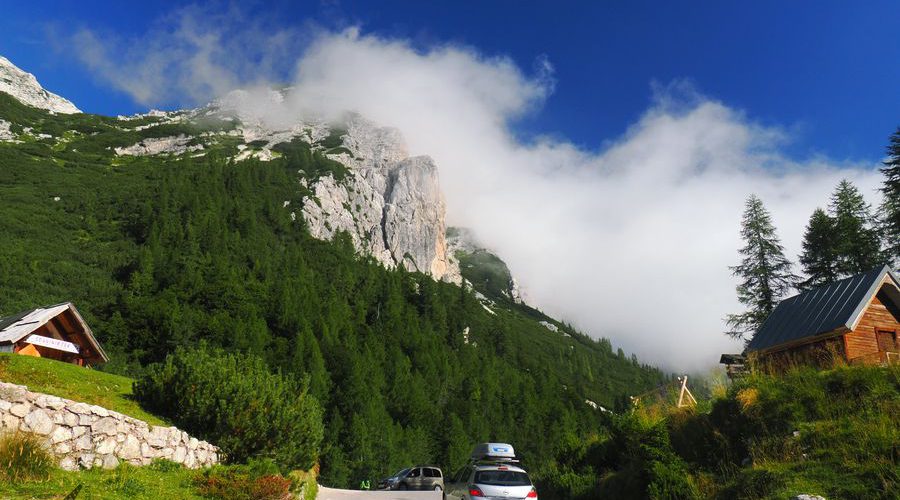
(151, 482)
(74, 382)
(830, 432)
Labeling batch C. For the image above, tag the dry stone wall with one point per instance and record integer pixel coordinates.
(86, 436)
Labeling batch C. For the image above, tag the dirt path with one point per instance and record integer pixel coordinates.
(331, 494)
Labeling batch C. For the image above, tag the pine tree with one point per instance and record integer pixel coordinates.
(890, 208)
(765, 272)
(818, 258)
(857, 245)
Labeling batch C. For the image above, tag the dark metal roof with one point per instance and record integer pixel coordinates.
(820, 310)
(15, 318)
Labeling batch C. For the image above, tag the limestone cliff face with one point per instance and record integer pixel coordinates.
(391, 204)
(25, 87)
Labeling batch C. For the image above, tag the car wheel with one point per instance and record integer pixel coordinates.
(437, 487)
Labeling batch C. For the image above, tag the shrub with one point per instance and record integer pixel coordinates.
(234, 401)
(305, 484)
(257, 480)
(23, 457)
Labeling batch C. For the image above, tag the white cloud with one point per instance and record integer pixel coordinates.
(632, 242)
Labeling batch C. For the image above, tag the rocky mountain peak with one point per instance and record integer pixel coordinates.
(25, 87)
(390, 204)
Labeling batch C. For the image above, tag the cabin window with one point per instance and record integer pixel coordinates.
(887, 340)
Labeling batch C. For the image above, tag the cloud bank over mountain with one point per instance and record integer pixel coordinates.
(630, 240)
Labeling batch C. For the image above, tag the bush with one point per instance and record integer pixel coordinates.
(23, 457)
(242, 483)
(235, 402)
(305, 484)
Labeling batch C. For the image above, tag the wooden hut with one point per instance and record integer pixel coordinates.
(856, 319)
(56, 332)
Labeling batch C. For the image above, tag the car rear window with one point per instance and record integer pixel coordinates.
(432, 473)
(502, 478)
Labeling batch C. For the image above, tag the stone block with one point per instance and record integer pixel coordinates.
(10, 421)
(84, 442)
(110, 462)
(13, 393)
(5, 405)
(39, 422)
(70, 418)
(86, 460)
(130, 449)
(80, 408)
(105, 426)
(78, 430)
(63, 448)
(68, 463)
(107, 446)
(99, 411)
(85, 420)
(179, 455)
(21, 409)
(60, 434)
(50, 402)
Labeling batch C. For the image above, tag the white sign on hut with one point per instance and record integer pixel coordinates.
(56, 332)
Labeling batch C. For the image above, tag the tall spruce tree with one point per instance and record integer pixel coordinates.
(765, 272)
(890, 208)
(857, 245)
(818, 258)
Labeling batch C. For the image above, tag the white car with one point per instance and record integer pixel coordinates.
(491, 481)
(491, 475)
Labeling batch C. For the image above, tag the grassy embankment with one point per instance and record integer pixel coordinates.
(834, 433)
(73, 382)
(162, 480)
(106, 390)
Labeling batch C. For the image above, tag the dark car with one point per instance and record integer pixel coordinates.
(389, 482)
(422, 477)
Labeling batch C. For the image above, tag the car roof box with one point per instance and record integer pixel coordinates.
(496, 451)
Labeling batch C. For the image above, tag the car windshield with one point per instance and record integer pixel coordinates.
(404, 471)
(502, 478)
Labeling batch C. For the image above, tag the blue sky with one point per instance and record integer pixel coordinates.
(827, 71)
(630, 165)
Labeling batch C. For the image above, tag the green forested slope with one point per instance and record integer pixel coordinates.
(160, 252)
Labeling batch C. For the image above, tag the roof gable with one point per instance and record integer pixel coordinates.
(821, 310)
(15, 328)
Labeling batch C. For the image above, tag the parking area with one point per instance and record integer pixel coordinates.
(332, 494)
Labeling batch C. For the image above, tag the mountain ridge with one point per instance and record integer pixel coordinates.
(25, 87)
(198, 236)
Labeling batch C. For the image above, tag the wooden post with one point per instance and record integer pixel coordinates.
(685, 392)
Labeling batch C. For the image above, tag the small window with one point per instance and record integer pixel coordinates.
(887, 340)
(414, 473)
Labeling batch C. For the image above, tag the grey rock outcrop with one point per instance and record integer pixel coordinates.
(86, 436)
(160, 145)
(6, 134)
(390, 204)
(25, 87)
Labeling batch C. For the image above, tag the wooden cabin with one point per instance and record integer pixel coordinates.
(56, 332)
(856, 319)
